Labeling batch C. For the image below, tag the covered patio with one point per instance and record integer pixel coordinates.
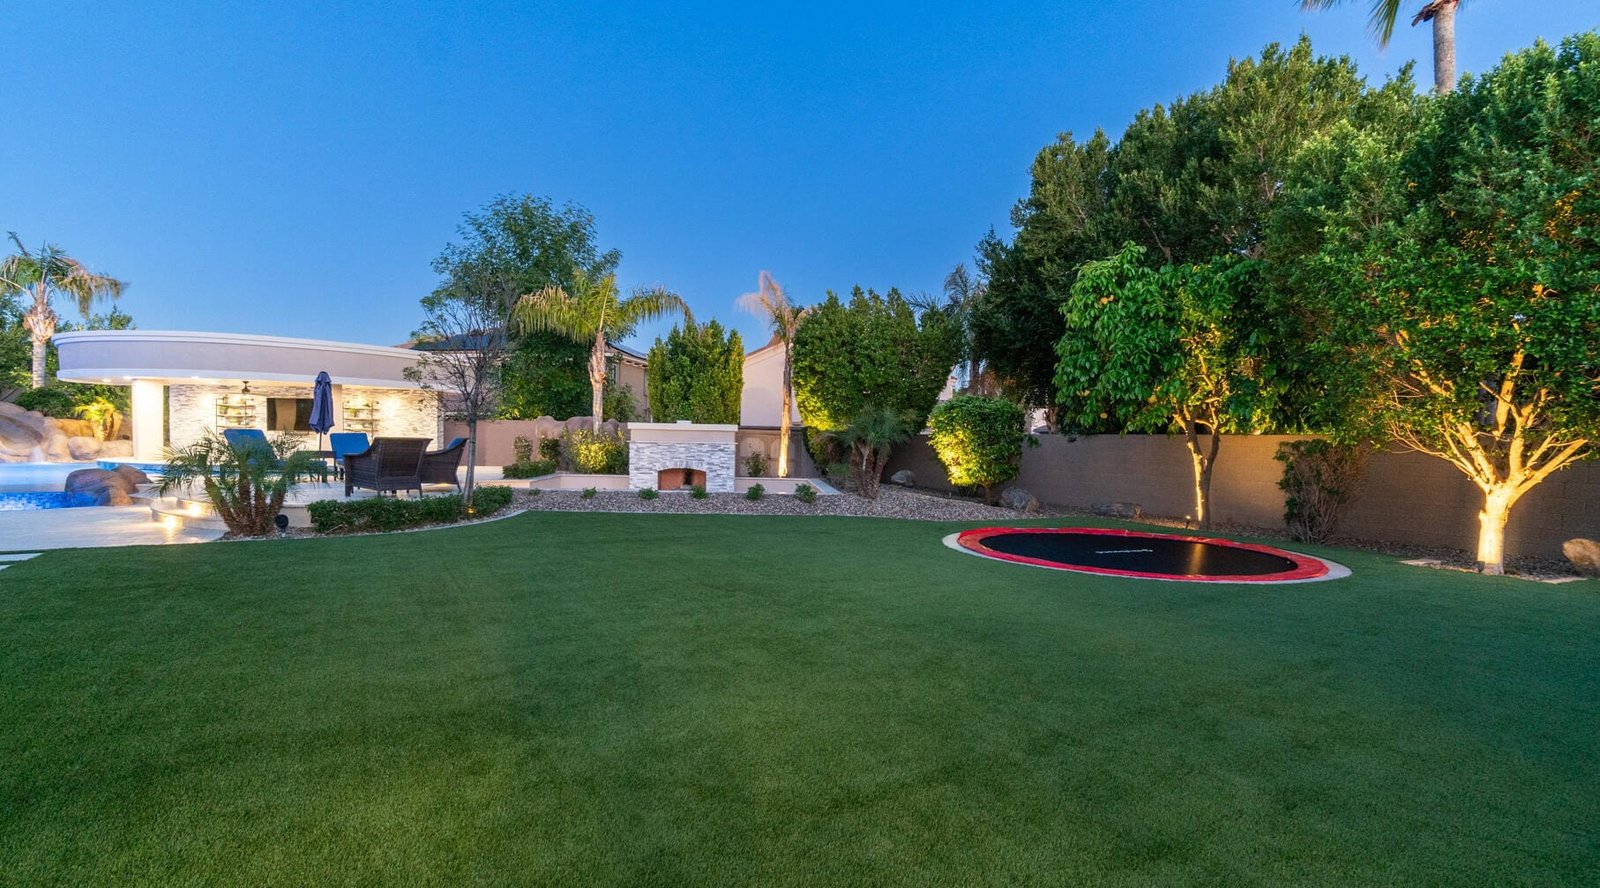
(185, 384)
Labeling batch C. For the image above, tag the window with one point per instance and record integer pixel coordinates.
(288, 414)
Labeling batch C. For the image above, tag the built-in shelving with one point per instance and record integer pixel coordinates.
(236, 412)
(360, 416)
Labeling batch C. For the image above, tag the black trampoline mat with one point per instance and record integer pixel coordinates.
(1140, 554)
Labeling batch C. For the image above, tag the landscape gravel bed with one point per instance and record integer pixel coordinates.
(892, 502)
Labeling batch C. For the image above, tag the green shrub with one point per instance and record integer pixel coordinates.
(699, 492)
(489, 500)
(1319, 479)
(381, 513)
(979, 440)
(51, 400)
(594, 453)
(648, 493)
(522, 448)
(755, 465)
(838, 474)
(550, 449)
(589, 492)
(529, 469)
(805, 493)
(755, 492)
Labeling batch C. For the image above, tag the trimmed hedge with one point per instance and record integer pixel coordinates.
(532, 468)
(382, 513)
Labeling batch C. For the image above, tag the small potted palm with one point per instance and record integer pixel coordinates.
(247, 483)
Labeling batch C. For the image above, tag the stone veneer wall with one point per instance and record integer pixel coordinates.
(647, 458)
(191, 410)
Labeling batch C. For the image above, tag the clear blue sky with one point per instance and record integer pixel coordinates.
(291, 168)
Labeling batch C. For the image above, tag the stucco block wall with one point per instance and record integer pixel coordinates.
(1407, 498)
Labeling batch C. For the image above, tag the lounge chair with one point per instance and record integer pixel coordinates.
(440, 466)
(389, 465)
(245, 440)
(342, 444)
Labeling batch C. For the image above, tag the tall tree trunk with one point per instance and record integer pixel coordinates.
(783, 420)
(1444, 48)
(1497, 503)
(1203, 462)
(597, 379)
(472, 458)
(38, 360)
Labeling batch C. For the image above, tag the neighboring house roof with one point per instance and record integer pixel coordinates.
(772, 343)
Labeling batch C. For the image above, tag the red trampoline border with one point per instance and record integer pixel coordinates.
(1305, 566)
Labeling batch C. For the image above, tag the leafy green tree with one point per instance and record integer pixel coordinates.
(871, 351)
(41, 275)
(593, 311)
(771, 302)
(1464, 272)
(1441, 13)
(531, 243)
(979, 441)
(1060, 225)
(524, 239)
(1188, 181)
(697, 373)
(545, 375)
(1160, 349)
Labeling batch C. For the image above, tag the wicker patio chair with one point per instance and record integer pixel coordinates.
(439, 466)
(389, 465)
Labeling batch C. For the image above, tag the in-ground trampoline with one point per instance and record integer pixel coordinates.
(1151, 556)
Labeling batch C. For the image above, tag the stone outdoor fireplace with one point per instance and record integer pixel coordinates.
(679, 455)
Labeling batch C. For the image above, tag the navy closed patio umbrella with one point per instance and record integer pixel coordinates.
(322, 407)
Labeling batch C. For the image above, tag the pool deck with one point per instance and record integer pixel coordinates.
(92, 527)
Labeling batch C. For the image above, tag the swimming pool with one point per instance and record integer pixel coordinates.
(29, 486)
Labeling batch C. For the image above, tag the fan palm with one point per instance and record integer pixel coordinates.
(869, 438)
(42, 274)
(593, 311)
(1442, 13)
(246, 484)
(772, 303)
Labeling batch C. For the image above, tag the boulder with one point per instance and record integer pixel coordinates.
(108, 488)
(904, 478)
(76, 428)
(56, 448)
(1130, 511)
(132, 476)
(123, 447)
(1020, 500)
(1584, 555)
(22, 432)
(83, 447)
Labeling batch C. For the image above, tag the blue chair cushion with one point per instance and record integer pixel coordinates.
(345, 443)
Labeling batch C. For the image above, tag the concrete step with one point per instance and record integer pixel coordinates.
(176, 512)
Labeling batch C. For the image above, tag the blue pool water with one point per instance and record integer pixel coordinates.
(29, 486)
(15, 501)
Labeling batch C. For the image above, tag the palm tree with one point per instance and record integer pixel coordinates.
(593, 311)
(962, 293)
(772, 303)
(1442, 13)
(42, 274)
(869, 439)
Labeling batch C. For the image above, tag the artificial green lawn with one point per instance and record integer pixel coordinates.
(577, 698)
